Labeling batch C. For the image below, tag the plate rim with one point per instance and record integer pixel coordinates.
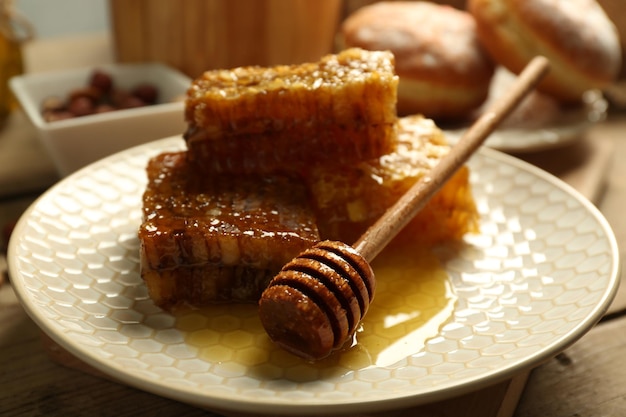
(283, 405)
(565, 127)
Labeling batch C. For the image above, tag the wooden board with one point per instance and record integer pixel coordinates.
(588, 379)
(25, 166)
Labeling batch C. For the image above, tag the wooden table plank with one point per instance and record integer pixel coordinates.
(24, 164)
(588, 379)
(31, 384)
(613, 201)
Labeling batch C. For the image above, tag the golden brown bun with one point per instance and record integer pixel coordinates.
(443, 70)
(577, 37)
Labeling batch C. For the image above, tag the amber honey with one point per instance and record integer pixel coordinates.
(10, 65)
(14, 31)
(413, 300)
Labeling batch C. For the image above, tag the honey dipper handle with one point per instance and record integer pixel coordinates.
(374, 240)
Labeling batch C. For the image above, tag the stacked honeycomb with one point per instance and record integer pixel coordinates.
(278, 159)
(254, 119)
(350, 198)
(207, 239)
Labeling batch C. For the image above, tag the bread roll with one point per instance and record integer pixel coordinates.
(444, 71)
(577, 37)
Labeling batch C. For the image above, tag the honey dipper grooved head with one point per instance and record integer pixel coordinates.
(316, 302)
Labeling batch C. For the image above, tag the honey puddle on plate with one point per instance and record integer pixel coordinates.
(413, 300)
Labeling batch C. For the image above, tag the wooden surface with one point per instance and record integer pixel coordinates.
(587, 379)
(262, 32)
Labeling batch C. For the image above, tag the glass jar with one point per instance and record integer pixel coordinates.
(14, 31)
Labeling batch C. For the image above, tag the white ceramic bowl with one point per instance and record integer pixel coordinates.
(74, 143)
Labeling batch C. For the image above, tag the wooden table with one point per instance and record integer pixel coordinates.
(39, 378)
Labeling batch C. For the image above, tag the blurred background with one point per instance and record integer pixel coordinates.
(69, 17)
(65, 17)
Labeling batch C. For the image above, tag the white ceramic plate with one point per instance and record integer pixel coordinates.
(542, 272)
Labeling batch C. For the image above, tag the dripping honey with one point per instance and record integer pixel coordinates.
(413, 300)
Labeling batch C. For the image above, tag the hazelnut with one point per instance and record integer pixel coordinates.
(91, 93)
(55, 115)
(98, 96)
(101, 80)
(147, 93)
(81, 106)
(131, 102)
(52, 103)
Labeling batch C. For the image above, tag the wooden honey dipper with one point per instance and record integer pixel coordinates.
(315, 303)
